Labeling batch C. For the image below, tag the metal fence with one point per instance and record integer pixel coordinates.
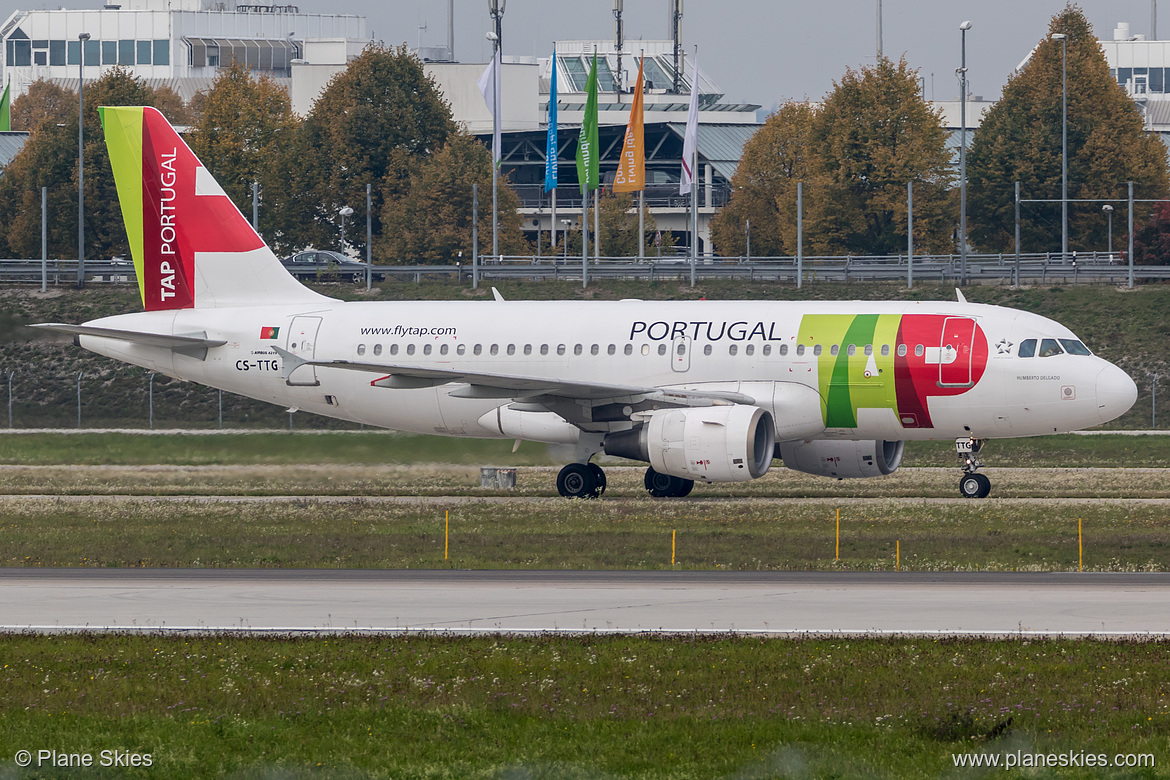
(1036, 268)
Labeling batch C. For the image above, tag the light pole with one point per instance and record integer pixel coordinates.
(963, 28)
(1109, 214)
(747, 231)
(1063, 144)
(346, 211)
(81, 39)
(496, 9)
(565, 242)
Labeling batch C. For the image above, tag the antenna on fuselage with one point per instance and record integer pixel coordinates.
(959, 295)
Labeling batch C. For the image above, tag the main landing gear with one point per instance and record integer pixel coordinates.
(587, 480)
(581, 480)
(972, 484)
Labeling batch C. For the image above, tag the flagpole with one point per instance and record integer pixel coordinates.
(694, 171)
(641, 225)
(496, 84)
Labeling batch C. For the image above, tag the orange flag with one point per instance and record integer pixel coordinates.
(631, 172)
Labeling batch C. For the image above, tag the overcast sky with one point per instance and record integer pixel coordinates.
(759, 51)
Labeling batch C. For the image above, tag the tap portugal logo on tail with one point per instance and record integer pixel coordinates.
(172, 206)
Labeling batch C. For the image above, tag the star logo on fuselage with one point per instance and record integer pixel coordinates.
(1004, 347)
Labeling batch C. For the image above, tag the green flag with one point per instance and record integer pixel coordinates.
(6, 109)
(588, 164)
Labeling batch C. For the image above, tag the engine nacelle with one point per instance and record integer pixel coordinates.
(709, 444)
(843, 459)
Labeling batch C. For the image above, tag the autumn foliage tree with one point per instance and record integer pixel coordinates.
(373, 124)
(428, 219)
(49, 159)
(1019, 139)
(855, 155)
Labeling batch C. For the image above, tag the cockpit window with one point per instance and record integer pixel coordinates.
(1074, 347)
(1028, 348)
(1049, 347)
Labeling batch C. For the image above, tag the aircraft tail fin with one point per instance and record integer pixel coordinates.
(192, 247)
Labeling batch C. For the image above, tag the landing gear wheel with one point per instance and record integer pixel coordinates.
(974, 486)
(666, 486)
(598, 479)
(577, 481)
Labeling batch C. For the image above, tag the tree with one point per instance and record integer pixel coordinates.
(874, 134)
(763, 188)
(618, 225)
(244, 122)
(373, 124)
(429, 220)
(49, 159)
(1151, 239)
(1020, 140)
(43, 102)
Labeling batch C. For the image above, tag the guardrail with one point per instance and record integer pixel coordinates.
(944, 269)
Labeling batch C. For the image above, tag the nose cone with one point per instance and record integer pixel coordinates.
(1116, 393)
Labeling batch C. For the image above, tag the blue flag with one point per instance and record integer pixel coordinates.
(551, 147)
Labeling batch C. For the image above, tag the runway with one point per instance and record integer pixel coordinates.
(783, 603)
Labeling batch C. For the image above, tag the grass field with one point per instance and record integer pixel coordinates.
(584, 707)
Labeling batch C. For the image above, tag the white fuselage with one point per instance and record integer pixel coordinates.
(744, 346)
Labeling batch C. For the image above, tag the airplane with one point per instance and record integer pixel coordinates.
(701, 391)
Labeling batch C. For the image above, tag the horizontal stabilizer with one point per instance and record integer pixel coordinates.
(165, 340)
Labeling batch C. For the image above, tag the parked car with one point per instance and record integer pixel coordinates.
(324, 264)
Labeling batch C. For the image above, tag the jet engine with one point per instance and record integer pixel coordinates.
(843, 459)
(732, 443)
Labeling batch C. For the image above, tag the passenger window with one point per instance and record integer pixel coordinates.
(595, 350)
(495, 349)
(732, 349)
(393, 349)
(1074, 347)
(410, 349)
(919, 350)
(885, 350)
(578, 349)
(869, 349)
(361, 349)
(511, 349)
(817, 349)
(1027, 348)
(443, 349)
(560, 349)
(527, 349)
(645, 349)
(544, 349)
(783, 349)
(800, 349)
(833, 350)
(851, 350)
(681, 349)
(767, 349)
(1049, 347)
(629, 349)
(612, 349)
(477, 349)
(749, 349)
(426, 349)
(462, 348)
(901, 350)
(377, 349)
(661, 349)
(707, 349)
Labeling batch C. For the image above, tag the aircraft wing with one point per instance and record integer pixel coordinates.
(518, 387)
(165, 340)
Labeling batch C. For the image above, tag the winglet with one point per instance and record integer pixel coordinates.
(959, 294)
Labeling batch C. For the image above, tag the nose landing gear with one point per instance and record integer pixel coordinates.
(972, 484)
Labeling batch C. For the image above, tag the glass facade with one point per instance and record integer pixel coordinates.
(22, 52)
(1141, 81)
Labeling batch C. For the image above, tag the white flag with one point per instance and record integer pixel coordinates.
(489, 87)
(692, 135)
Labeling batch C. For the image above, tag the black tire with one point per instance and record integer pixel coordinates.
(359, 278)
(666, 486)
(577, 481)
(598, 479)
(971, 485)
(984, 486)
